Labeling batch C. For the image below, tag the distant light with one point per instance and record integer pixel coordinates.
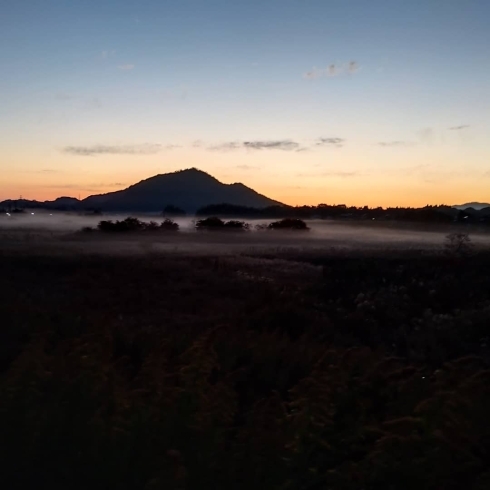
(50, 214)
(32, 214)
(8, 214)
(374, 219)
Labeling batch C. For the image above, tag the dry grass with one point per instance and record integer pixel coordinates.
(241, 365)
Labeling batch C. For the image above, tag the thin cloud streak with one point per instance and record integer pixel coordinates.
(48, 171)
(332, 70)
(394, 144)
(145, 149)
(336, 142)
(284, 145)
(341, 174)
(458, 128)
(126, 67)
(107, 53)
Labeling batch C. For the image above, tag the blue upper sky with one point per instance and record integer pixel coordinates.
(383, 101)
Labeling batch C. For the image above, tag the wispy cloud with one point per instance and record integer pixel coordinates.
(65, 96)
(413, 169)
(426, 136)
(247, 167)
(48, 171)
(126, 67)
(335, 142)
(314, 74)
(284, 145)
(229, 146)
(332, 70)
(107, 53)
(333, 173)
(93, 187)
(391, 144)
(458, 128)
(352, 67)
(144, 149)
(343, 175)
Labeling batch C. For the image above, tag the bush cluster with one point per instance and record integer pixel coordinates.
(214, 223)
(288, 224)
(134, 224)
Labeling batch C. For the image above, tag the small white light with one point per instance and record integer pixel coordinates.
(32, 214)
(8, 214)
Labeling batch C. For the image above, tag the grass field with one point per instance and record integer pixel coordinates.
(225, 363)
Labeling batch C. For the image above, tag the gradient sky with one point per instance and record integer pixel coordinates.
(381, 102)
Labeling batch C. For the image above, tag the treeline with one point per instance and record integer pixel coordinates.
(213, 223)
(439, 214)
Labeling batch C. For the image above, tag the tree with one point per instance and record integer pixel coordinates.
(212, 223)
(288, 224)
(458, 244)
(169, 225)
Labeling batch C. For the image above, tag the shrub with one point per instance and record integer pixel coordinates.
(458, 244)
(106, 225)
(237, 225)
(152, 226)
(215, 223)
(129, 224)
(212, 223)
(288, 224)
(169, 225)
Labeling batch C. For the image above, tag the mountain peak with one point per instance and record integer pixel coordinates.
(188, 189)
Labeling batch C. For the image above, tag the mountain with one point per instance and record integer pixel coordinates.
(187, 189)
(475, 205)
(59, 204)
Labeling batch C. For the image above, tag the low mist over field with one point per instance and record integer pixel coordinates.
(65, 229)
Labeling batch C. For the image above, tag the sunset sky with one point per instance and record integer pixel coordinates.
(381, 102)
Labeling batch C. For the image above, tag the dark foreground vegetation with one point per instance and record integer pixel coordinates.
(219, 373)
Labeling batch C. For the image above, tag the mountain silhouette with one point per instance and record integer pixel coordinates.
(475, 205)
(187, 189)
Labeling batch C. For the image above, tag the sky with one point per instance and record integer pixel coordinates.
(385, 102)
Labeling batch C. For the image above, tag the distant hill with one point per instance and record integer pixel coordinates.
(187, 189)
(59, 204)
(475, 205)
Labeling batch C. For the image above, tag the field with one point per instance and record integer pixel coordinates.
(349, 358)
